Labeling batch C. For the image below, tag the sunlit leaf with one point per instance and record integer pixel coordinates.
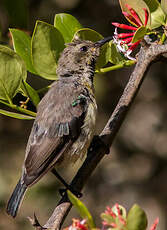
(139, 34)
(137, 219)
(92, 35)
(164, 5)
(158, 17)
(12, 72)
(47, 44)
(22, 46)
(67, 25)
(16, 115)
(82, 209)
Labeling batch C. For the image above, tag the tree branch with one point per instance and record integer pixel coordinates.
(98, 147)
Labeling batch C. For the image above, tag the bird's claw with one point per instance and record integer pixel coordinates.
(63, 192)
(97, 143)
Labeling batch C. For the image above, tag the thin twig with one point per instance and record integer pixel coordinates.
(117, 66)
(19, 109)
(98, 147)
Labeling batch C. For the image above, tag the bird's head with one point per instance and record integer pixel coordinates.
(79, 56)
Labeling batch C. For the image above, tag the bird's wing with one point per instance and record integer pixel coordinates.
(58, 123)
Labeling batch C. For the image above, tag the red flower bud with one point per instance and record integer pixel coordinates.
(133, 45)
(127, 40)
(132, 19)
(110, 212)
(123, 26)
(125, 35)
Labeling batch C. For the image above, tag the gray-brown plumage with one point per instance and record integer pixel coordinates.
(65, 119)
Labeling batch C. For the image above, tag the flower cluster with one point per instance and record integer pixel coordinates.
(115, 224)
(123, 41)
(78, 225)
(117, 221)
(113, 218)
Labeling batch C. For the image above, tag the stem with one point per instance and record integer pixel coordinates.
(115, 67)
(163, 38)
(16, 107)
(10, 101)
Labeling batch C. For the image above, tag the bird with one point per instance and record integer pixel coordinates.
(66, 117)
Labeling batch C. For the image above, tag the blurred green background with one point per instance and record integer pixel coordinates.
(136, 169)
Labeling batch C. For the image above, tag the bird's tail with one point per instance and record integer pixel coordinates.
(16, 198)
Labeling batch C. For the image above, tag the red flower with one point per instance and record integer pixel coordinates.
(117, 220)
(109, 211)
(124, 40)
(78, 225)
(153, 227)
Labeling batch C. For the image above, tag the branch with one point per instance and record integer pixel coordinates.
(98, 147)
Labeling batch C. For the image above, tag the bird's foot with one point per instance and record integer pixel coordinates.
(97, 143)
(63, 191)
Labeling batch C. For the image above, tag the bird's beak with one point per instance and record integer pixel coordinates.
(103, 41)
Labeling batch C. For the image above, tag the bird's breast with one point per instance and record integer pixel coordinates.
(81, 144)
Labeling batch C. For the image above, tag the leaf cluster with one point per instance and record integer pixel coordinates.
(39, 55)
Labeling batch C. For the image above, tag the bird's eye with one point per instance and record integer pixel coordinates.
(84, 48)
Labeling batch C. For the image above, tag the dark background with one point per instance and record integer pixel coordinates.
(136, 169)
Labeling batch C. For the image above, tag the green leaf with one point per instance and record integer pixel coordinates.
(138, 6)
(92, 35)
(82, 209)
(164, 6)
(158, 17)
(47, 44)
(16, 115)
(139, 34)
(31, 93)
(12, 71)
(88, 34)
(137, 219)
(67, 25)
(22, 46)
(116, 57)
